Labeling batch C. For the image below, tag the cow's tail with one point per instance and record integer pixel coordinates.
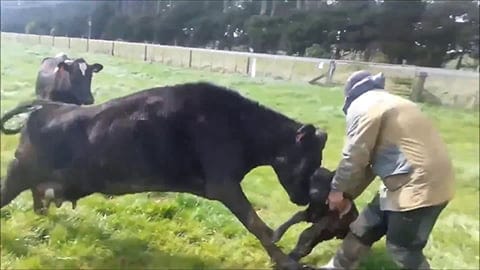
(22, 108)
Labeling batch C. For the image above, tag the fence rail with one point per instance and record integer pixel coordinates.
(449, 87)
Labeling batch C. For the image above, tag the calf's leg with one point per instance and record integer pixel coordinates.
(309, 238)
(297, 218)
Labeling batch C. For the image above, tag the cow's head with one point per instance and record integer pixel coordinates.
(298, 161)
(73, 80)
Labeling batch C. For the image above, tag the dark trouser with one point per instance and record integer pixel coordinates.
(407, 232)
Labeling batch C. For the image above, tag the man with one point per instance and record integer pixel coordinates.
(389, 137)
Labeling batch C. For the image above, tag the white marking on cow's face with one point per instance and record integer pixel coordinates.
(49, 193)
(83, 68)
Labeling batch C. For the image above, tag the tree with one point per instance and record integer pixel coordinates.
(447, 30)
(143, 29)
(360, 26)
(274, 7)
(396, 24)
(119, 27)
(263, 8)
(264, 32)
(100, 18)
(225, 5)
(299, 4)
(37, 28)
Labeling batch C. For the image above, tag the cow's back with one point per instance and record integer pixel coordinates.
(155, 137)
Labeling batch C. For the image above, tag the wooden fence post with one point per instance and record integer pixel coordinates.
(145, 52)
(253, 70)
(190, 60)
(418, 85)
(331, 71)
(113, 48)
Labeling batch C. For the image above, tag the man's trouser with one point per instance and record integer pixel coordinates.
(407, 234)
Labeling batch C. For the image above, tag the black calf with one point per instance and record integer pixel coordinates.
(326, 225)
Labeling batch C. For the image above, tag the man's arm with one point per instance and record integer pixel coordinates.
(361, 185)
(354, 174)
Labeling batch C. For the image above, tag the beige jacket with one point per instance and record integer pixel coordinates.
(389, 137)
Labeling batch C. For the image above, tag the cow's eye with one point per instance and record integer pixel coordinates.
(281, 160)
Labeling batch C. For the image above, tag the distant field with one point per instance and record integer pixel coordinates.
(184, 231)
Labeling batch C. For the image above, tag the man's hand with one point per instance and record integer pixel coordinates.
(337, 202)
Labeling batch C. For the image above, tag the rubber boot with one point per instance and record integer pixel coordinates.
(406, 258)
(349, 254)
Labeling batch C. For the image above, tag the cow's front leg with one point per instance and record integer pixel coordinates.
(15, 182)
(282, 229)
(236, 201)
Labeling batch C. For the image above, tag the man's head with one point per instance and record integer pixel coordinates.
(353, 79)
(361, 82)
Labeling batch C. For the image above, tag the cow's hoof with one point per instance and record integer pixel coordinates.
(308, 267)
(289, 265)
(41, 211)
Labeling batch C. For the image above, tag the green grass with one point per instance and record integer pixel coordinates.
(184, 231)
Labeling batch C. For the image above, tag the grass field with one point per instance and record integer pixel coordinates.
(183, 231)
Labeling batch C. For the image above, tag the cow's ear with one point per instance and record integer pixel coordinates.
(63, 66)
(322, 137)
(304, 132)
(43, 60)
(96, 67)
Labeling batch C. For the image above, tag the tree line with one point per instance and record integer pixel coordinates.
(418, 32)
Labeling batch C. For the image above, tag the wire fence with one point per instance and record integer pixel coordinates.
(443, 86)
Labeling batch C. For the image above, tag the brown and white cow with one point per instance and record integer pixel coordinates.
(66, 80)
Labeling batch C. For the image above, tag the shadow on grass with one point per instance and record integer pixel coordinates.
(85, 245)
(131, 251)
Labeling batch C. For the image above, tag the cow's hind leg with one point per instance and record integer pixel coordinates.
(37, 202)
(297, 218)
(236, 201)
(309, 238)
(14, 183)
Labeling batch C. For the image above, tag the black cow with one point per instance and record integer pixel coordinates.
(326, 225)
(196, 138)
(65, 80)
